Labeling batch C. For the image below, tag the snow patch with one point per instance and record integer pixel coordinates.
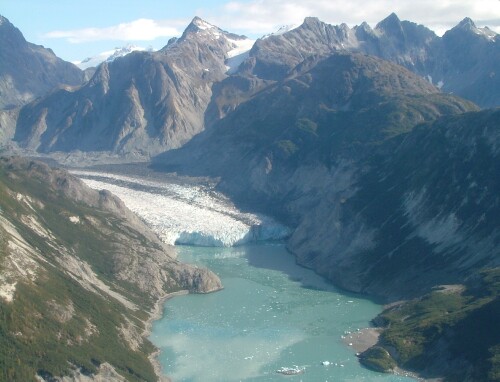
(487, 33)
(238, 54)
(108, 56)
(187, 214)
(203, 25)
(281, 30)
(74, 219)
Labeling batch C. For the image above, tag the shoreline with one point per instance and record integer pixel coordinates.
(362, 339)
(156, 314)
(365, 338)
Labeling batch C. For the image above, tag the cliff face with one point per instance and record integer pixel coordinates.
(422, 211)
(27, 70)
(79, 276)
(140, 104)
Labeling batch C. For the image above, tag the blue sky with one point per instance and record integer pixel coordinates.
(78, 29)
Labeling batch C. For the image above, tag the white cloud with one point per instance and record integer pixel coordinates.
(262, 16)
(137, 30)
(258, 17)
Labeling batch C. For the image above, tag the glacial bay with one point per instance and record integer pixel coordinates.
(271, 313)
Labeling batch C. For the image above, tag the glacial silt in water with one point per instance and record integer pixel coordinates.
(272, 313)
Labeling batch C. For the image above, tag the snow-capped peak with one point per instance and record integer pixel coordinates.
(203, 28)
(281, 30)
(487, 32)
(468, 25)
(202, 24)
(108, 56)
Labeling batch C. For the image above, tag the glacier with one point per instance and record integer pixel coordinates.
(189, 214)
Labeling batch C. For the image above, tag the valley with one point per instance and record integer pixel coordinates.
(271, 312)
(319, 171)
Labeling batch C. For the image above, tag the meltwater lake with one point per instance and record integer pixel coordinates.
(272, 313)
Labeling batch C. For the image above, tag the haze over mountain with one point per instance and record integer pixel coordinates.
(149, 102)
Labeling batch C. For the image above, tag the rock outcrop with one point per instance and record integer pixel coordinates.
(28, 71)
(140, 104)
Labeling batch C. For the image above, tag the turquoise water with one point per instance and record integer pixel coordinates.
(272, 313)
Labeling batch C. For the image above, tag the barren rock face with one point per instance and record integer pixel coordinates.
(27, 70)
(145, 103)
(141, 104)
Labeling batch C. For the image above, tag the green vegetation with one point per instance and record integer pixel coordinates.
(287, 147)
(448, 325)
(33, 340)
(307, 126)
(84, 330)
(378, 359)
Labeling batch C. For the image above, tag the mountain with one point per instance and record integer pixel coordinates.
(149, 102)
(311, 156)
(141, 104)
(348, 135)
(474, 57)
(27, 70)
(461, 62)
(108, 56)
(80, 275)
(391, 190)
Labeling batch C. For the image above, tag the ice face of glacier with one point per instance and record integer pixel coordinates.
(187, 214)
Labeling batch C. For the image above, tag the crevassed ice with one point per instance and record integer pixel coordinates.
(187, 214)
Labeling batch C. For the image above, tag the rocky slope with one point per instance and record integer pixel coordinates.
(382, 202)
(79, 276)
(27, 70)
(465, 61)
(362, 185)
(149, 102)
(427, 203)
(140, 104)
